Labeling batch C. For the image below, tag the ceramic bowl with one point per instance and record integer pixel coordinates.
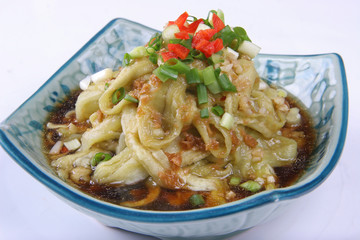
(318, 81)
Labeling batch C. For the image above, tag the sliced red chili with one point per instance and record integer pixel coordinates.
(179, 50)
(206, 34)
(218, 45)
(168, 55)
(193, 26)
(64, 150)
(182, 35)
(208, 50)
(181, 19)
(217, 23)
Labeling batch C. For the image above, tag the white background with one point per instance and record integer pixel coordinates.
(37, 37)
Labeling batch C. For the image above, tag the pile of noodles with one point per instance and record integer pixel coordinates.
(163, 136)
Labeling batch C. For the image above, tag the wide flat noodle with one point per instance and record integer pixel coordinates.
(217, 139)
(160, 115)
(141, 154)
(109, 128)
(120, 169)
(139, 68)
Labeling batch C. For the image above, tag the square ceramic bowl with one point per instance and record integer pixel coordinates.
(318, 81)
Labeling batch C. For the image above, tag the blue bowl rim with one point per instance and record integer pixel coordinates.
(116, 211)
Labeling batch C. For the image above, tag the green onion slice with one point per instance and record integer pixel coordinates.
(217, 72)
(234, 181)
(217, 110)
(153, 57)
(227, 35)
(216, 58)
(214, 87)
(168, 72)
(204, 113)
(187, 42)
(99, 157)
(155, 42)
(209, 75)
(197, 54)
(130, 98)
(193, 76)
(161, 76)
(165, 73)
(227, 121)
(201, 93)
(175, 41)
(127, 59)
(196, 200)
(240, 32)
(118, 95)
(251, 186)
(138, 52)
(226, 84)
(177, 65)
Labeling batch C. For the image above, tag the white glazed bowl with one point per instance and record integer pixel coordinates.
(319, 81)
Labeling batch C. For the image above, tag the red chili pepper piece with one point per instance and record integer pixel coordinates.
(200, 44)
(182, 35)
(202, 35)
(208, 50)
(168, 55)
(217, 23)
(179, 50)
(64, 150)
(193, 26)
(218, 45)
(170, 23)
(181, 19)
(206, 34)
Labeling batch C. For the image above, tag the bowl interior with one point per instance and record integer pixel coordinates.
(318, 81)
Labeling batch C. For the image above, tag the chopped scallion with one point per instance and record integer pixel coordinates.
(201, 93)
(193, 76)
(189, 59)
(226, 84)
(177, 65)
(227, 35)
(227, 121)
(155, 42)
(217, 72)
(217, 110)
(240, 32)
(251, 186)
(187, 42)
(127, 59)
(118, 95)
(216, 58)
(130, 98)
(209, 75)
(234, 181)
(161, 76)
(197, 54)
(197, 200)
(138, 52)
(150, 50)
(99, 157)
(170, 73)
(204, 113)
(214, 87)
(175, 41)
(153, 57)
